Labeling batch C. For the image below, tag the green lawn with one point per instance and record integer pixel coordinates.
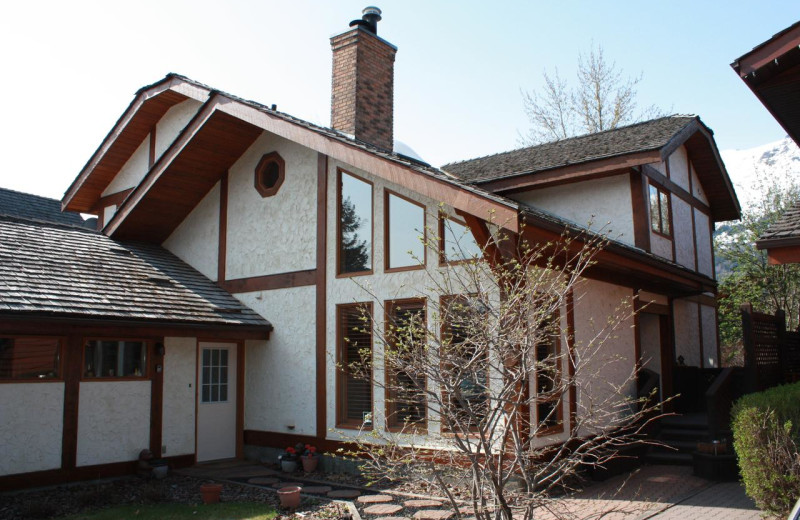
(222, 511)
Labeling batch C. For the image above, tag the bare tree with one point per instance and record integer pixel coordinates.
(603, 99)
(488, 366)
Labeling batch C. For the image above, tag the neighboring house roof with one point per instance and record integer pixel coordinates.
(772, 71)
(34, 207)
(784, 232)
(57, 270)
(608, 151)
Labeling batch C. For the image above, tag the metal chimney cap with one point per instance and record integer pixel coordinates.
(372, 10)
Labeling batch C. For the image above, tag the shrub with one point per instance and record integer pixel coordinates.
(766, 432)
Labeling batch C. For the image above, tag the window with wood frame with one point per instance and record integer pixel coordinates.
(405, 233)
(547, 382)
(111, 358)
(456, 243)
(354, 360)
(269, 174)
(30, 358)
(659, 211)
(466, 362)
(354, 215)
(406, 404)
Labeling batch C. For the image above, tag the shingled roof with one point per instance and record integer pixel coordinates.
(640, 137)
(34, 207)
(783, 233)
(60, 270)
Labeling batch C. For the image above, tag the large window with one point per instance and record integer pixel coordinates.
(354, 359)
(659, 211)
(114, 359)
(456, 243)
(355, 225)
(30, 358)
(405, 233)
(547, 382)
(466, 359)
(406, 331)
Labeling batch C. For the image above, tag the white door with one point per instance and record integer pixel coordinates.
(216, 401)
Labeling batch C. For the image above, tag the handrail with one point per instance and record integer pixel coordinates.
(719, 399)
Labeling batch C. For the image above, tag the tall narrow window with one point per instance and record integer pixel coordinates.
(354, 359)
(547, 383)
(405, 233)
(114, 358)
(659, 211)
(355, 225)
(214, 383)
(30, 358)
(406, 331)
(466, 361)
(456, 242)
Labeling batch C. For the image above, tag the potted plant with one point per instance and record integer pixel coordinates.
(211, 493)
(290, 496)
(310, 458)
(288, 460)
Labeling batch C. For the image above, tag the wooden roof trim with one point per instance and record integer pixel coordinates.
(768, 51)
(163, 162)
(573, 171)
(723, 174)
(175, 84)
(460, 198)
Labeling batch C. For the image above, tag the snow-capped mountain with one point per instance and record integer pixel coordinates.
(748, 168)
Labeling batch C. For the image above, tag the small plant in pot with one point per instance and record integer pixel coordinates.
(288, 460)
(310, 458)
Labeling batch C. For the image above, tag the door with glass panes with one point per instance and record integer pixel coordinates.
(216, 401)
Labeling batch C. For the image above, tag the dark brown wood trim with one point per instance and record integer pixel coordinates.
(387, 235)
(641, 222)
(155, 353)
(672, 228)
(151, 159)
(73, 354)
(768, 51)
(784, 255)
(271, 281)
(114, 199)
(240, 386)
(694, 237)
(222, 247)
(700, 336)
(484, 239)
(702, 299)
(321, 297)
(371, 270)
(573, 392)
(711, 246)
(651, 308)
(657, 178)
(54, 477)
(526, 181)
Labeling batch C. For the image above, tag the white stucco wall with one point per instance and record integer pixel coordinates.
(709, 316)
(650, 341)
(602, 366)
(679, 168)
(687, 331)
(178, 409)
(682, 232)
(196, 239)
(606, 203)
(660, 246)
(31, 426)
(132, 171)
(173, 121)
(113, 421)
(705, 255)
(697, 188)
(274, 234)
(280, 382)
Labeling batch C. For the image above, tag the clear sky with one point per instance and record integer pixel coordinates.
(70, 68)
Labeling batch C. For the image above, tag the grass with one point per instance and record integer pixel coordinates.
(222, 511)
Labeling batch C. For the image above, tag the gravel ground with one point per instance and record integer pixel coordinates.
(71, 499)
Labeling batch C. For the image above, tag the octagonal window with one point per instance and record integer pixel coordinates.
(269, 174)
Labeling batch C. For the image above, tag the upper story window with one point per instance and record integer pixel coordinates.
(28, 358)
(456, 243)
(659, 211)
(353, 359)
(270, 172)
(114, 359)
(405, 233)
(354, 214)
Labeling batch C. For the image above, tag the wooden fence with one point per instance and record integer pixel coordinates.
(771, 353)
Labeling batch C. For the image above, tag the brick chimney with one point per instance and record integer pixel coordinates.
(362, 95)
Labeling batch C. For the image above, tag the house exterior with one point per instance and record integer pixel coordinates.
(271, 226)
(772, 71)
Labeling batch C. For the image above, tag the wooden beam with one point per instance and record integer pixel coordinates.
(658, 178)
(641, 223)
(768, 51)
(271, 281)
(321, 297)
(114, 199)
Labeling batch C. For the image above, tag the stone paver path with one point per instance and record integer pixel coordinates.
(433, 514)
(422, 503)
(317, 490)
(723, 501)
(375, 499)
(383, 509)
(344, 493)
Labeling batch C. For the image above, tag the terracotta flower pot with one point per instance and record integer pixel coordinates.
(290, 497)
(211, 493)
(310, 463)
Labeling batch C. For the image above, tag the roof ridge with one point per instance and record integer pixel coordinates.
(47, 223)
(30, 194)
(575, 138)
